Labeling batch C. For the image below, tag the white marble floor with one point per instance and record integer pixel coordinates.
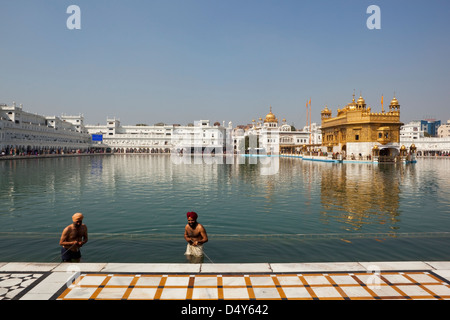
(266, 281)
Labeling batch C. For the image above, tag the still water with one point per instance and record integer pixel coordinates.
(135, 209)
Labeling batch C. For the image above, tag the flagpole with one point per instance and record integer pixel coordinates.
(310, 129)
(307, 113)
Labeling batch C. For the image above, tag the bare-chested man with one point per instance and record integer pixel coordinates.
(195, 235)
(73, 238)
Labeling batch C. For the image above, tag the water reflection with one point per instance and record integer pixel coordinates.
(148, 195)
(361, 194)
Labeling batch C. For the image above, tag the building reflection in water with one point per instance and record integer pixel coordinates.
(130, 191)
(361, 194)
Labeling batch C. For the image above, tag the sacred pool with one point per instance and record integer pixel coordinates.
(304, 211)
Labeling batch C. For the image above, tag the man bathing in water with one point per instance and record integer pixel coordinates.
(73, 238)
(195, 235)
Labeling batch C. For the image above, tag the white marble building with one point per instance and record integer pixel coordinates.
(22, 132)
(412, 130)
(412, 133)
(160, 138)
(276, 138)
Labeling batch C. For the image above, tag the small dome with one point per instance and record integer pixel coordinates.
(326, 110)
(361, 100)
(394, 102)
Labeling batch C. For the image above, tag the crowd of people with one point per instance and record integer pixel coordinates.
(19, 152)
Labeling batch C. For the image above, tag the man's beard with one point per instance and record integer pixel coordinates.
(193, 224)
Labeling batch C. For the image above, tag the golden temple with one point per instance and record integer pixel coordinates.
(357, 130)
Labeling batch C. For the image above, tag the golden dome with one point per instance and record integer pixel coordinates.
(270, 117)
(361, 100)
(326, 110)
(394, 101)
(351, 105)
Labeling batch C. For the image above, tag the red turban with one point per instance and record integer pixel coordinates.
(192, 215)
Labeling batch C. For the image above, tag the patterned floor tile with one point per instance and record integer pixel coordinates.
(13, 285)
(308, 286)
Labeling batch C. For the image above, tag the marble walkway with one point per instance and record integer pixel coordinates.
(405, 280)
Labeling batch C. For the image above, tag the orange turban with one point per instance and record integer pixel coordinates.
(192, 215)
(77, 216)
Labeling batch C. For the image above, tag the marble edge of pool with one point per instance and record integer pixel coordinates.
(368, 266)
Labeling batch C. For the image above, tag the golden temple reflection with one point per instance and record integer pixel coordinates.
(360, 202)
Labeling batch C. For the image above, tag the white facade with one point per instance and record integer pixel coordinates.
(293, 141)
(202, 136)
(238, 139)
(290, 137)
(274, 139)
(315, 133)
(444, 130)
(413, 133)
(160, 138)
(262, 138)
(412, 130)
(23, 132)
(428, 146)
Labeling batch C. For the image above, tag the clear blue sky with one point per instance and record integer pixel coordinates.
(177, 61)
